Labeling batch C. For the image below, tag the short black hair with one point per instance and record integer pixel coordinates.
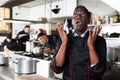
(9, 36)
(83, 7)
(41, 30)
(40, 34)
(27, 26)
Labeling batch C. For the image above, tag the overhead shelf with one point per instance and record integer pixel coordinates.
(42, 21)
(112, 24)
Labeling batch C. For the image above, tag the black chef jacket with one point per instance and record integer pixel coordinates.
(48, 45)
(13, 46)
(24, 38)
(22, 41)
(77, 59)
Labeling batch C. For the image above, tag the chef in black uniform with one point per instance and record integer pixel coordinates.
(10, 43)
(80, 55)
(22, 37)
(46, 42)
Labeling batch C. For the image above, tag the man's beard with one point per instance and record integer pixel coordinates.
(80, 30)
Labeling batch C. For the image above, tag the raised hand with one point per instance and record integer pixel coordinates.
(62, 33)
(92, 36)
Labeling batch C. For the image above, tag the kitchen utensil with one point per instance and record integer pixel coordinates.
(25, 65)
(29, 46)
(3, 60)
(37, 50)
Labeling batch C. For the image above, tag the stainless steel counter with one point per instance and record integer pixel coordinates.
(8, 73)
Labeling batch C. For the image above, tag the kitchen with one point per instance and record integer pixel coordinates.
(33, 13)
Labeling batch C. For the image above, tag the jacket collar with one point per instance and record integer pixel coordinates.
(82, 35)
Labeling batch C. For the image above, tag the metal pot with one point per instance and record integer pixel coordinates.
(29, 46)
(112, 53)
(37, 50)
(3, 60)
(25, 65)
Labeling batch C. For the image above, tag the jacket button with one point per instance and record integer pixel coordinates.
(72, 66)
(72, 55)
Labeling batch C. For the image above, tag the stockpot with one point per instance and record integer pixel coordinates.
(25, 65)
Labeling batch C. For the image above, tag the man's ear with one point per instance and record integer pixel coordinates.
(89, 20)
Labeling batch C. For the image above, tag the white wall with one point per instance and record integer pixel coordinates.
(37, 12)
(21, 13)
(97, 7)
(69, 7)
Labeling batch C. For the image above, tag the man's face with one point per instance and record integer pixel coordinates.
(9, 40)
(27, 30)
(80, 20)
(43, 39)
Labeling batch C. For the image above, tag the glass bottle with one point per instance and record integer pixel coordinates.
(115, 17)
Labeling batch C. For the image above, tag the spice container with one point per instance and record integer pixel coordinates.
(115, 17)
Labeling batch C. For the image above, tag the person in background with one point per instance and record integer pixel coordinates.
(10, 43)
(22, 37)
(80, 55)
(46, 43)
(39, 31)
